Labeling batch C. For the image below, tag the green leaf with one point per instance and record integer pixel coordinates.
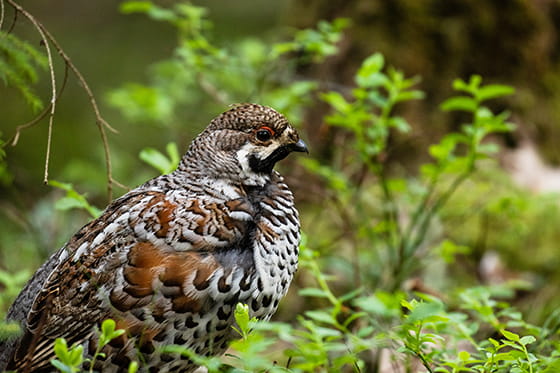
(147, 7)
(369, 75)
(399, 123)
(495, 343)
(494, 91)
(73, 199)
(470, 87)
(321, 316)
(380, 304)
(409, 95)
(448, 250)
(19, 64)
(528, 339)
(173, 153)
(444, 150)
(459, 103)
(313, 292)
(129, 7)
(133, 367)
(553, 367)
(336, 100)
(61, 349)
(61, 366)
(510, 335)
(242, 319)
(70, 359)
(159, 161)
(108, 330)
(315, 44)
(422, 311)
(351, 295)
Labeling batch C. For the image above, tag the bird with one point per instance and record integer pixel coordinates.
(169, 260)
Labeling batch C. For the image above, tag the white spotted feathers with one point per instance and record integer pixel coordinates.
(169, 260)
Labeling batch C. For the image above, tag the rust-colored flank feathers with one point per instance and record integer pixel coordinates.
(169, 260)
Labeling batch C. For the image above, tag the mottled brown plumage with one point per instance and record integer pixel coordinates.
(169, 260)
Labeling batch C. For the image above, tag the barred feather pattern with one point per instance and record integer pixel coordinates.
(169, 260)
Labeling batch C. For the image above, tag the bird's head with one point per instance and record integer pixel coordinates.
(245, 142)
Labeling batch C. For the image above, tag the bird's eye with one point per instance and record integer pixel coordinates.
(264, 134)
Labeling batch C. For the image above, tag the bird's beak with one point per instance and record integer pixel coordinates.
(299, 147)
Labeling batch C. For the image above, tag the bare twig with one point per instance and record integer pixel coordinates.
(14, 20)
(41, 31)
(101, 123)
(436, 207)
(15, 139)
(421, 209)
(2, 10)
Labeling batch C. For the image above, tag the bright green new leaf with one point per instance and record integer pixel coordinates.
(459, 103)
(73, 199)
(464, 355)
(164, 164)
(129, 7)
(510, 335)
(108, 331)
(368, 75)
(493, 91)
(133, 367)
(242, 317)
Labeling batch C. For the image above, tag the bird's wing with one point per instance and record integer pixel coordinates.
(140, 237)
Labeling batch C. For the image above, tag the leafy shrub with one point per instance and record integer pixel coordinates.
(380, 226)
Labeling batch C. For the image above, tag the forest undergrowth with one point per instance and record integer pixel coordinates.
(388, 278)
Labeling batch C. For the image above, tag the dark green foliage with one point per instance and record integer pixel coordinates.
(386, 273)
(200, 72)
(19, 62)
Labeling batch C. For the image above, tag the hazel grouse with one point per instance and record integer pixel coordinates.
(169, 260)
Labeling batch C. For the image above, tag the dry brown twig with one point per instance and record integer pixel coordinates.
(101, 123)
(15, 138)
(2, 13)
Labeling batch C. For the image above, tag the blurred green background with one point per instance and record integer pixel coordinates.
(437, 40)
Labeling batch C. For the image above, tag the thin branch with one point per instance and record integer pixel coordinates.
(2, 10)
(438, 204)
(99, 120)
(15, 139)
(121, 185)
(48, 151)
(41, 31)
(82, 81)
(14, 20)
(425, 362)
(422, 207)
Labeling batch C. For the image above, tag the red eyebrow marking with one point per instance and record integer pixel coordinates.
(266, 128)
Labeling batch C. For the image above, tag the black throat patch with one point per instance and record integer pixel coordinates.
(265, 166)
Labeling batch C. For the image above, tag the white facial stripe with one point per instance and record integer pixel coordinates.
(260, 151)
(243, 157)
(249, 176)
